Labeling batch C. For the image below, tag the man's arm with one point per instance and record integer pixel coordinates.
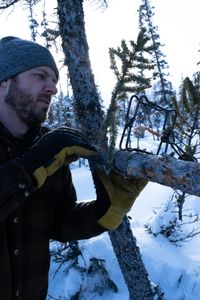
(73, 220)
(115, 197)
(21, 176)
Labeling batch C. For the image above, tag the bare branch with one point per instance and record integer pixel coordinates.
(6, 4)
(166, 170)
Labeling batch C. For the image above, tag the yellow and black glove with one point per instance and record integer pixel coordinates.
(115, 195)
(57, 147)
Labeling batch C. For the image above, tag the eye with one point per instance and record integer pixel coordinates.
(40, 76)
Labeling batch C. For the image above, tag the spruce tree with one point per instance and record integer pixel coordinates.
(187, 124)
(163, 91)
(61, 112)
(126, 63)
(187, 128)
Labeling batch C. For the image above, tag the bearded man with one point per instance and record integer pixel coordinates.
(37, 196)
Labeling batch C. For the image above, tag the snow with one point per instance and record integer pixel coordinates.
(174, 268)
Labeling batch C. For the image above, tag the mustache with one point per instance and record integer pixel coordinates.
(44, 97)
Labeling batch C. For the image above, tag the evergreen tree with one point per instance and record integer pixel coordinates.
(92, 273)
(187, 124)
(61, 112)
(163, 91)
(187, 127)
(32, 20)
(126, 63)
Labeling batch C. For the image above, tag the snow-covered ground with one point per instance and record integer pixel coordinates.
(175, 268)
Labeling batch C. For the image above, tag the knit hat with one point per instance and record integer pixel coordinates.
(18, 55)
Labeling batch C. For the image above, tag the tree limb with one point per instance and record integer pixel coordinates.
(7, 4)
(166, 170)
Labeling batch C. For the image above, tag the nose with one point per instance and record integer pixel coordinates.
(51, 88)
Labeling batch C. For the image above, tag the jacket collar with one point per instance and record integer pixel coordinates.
(23, 143)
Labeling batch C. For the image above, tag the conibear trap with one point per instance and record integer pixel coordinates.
(158, 121)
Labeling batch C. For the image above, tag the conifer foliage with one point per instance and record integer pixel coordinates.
(187, 124)
(126, 63)
(61, 112)
(91, 273)
(187, 128)
(162, 86)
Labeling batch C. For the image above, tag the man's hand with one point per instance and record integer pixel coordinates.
(53, 150)
(121, 194)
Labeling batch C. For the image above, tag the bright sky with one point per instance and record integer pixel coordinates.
(179, 29)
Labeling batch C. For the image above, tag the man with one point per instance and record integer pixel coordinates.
(37, 196)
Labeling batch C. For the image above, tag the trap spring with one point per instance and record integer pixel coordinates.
(143, 114)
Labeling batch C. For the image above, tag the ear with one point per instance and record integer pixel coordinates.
(4, 83)
(4, 87)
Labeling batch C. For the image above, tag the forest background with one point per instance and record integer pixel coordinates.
(162, 93)
(178, 23)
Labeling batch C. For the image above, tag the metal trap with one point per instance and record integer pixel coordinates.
(146, 118)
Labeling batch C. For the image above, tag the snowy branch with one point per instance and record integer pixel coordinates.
(166, 170)
(7, 4)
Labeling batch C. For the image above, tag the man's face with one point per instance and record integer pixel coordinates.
(30, 95)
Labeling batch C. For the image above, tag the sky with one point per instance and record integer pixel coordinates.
(179, 29)
(178, 25)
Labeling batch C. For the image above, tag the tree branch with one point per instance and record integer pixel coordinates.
(166, 170)
(7, 4)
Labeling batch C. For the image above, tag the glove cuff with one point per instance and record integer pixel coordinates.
(113, 217)
(121, 194)
(109, 215)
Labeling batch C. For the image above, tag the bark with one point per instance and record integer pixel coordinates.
(75, 48)
(129, 258)
(72, 29)
(166, 170)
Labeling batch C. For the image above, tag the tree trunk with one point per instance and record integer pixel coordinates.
(130, 262)
(75, 47)
(167, 170)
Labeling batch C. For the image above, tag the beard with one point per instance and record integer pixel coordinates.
(24, 105)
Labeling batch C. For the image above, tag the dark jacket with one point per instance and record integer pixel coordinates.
(30, 217)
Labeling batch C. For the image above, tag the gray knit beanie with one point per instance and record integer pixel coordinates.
(18, 56)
